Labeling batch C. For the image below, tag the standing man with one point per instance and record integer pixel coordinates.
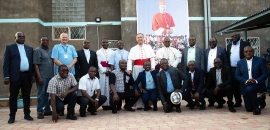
(62, 89)
(235, 52)
(88, 84)
(103, 55)
(64, 53)
(251, 72)
(214, 52)
(44, 72)
(163, 22)
(86, 59)
(219, 84)
(194, 53)
(169, 80)
(120, 82)
(169, 53)
(139, 54)
(19, 73)
(118, 55)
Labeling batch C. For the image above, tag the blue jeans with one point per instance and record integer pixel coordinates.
(42, 97)
(150, 95)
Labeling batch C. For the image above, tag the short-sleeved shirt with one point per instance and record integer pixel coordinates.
(42, 58)
(65, 54)
(117, 56)
(58, 85)
(88, 84)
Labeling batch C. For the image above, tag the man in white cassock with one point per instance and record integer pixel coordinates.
(103, 55)
(137, 56)
(169, 53)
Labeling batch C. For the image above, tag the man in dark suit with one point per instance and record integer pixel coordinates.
(86, 58)
(194, 53)
(219, 84)
(210, 54)
(235, 52)
(194, 86)
(148, 89)
(169, 80)
(251, 72)
(19, 73)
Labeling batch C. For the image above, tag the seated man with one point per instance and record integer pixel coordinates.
(251, 72)
(169, 80)
(120, 82)
(62, 89)
(194, 86)
(88, 84)
(148, 88)
(219, 84)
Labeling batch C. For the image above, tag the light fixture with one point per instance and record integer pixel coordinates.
(98, 19)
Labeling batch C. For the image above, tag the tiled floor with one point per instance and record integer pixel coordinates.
(209, 119)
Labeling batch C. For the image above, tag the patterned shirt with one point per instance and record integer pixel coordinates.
(119, 80)
(58, 85)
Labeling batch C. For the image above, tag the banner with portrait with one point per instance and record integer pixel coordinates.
(159, 18)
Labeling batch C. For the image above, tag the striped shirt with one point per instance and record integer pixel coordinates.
(58, 85)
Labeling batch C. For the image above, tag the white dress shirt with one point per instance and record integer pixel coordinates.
(235, 54)
(88, 84)
(211, 57)
(218, 77)
(249, 66)
(191, 54)
(87, 54)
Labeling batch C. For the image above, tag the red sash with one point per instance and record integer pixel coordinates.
(104, 64)
(141, 61)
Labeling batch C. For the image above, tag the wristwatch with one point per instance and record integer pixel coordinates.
(97, 99)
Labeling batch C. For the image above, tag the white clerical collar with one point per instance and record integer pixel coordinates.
(191, 72)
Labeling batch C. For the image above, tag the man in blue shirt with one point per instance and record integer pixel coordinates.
(118, 55)
(169, 80)
(64, 53)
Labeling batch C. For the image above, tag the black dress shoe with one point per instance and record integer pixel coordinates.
(47, 113)
(139, 108)
(191, 106)
(202, 107)
(197, 104)
(93, 113)
(211, 104)
(178, 110)
(71, 117)
(149, 107)
(28, 117)
(257, 112)
(129, 108)
(114, 111)
(155, 109)
(237, 105)
(145, 109)
(11, 120)
(119, 108)
(82, 115)
(232, 109)
(219, 106)
(61, 113)
(188, 105)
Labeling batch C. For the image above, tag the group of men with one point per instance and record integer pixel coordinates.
(104, 78)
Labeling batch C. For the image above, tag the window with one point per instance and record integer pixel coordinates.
(68, 10)
(74, 32)
(112, 44)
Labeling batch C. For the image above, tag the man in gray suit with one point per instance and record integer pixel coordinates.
(194, 53)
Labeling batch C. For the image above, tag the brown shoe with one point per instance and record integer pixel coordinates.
(40, 116)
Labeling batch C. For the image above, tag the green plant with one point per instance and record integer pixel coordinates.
(19, 95)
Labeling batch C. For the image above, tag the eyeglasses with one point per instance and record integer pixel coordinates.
(22, 36)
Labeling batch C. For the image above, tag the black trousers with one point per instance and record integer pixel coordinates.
(129, 95)
(83, 101)
(226, 91)
(24, 84)
(235, 85)
(70, 99)
(169, 102)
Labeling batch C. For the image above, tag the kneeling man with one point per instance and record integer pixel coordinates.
(120, 82)
(88, 84)
(62, 89)
(251, 72)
